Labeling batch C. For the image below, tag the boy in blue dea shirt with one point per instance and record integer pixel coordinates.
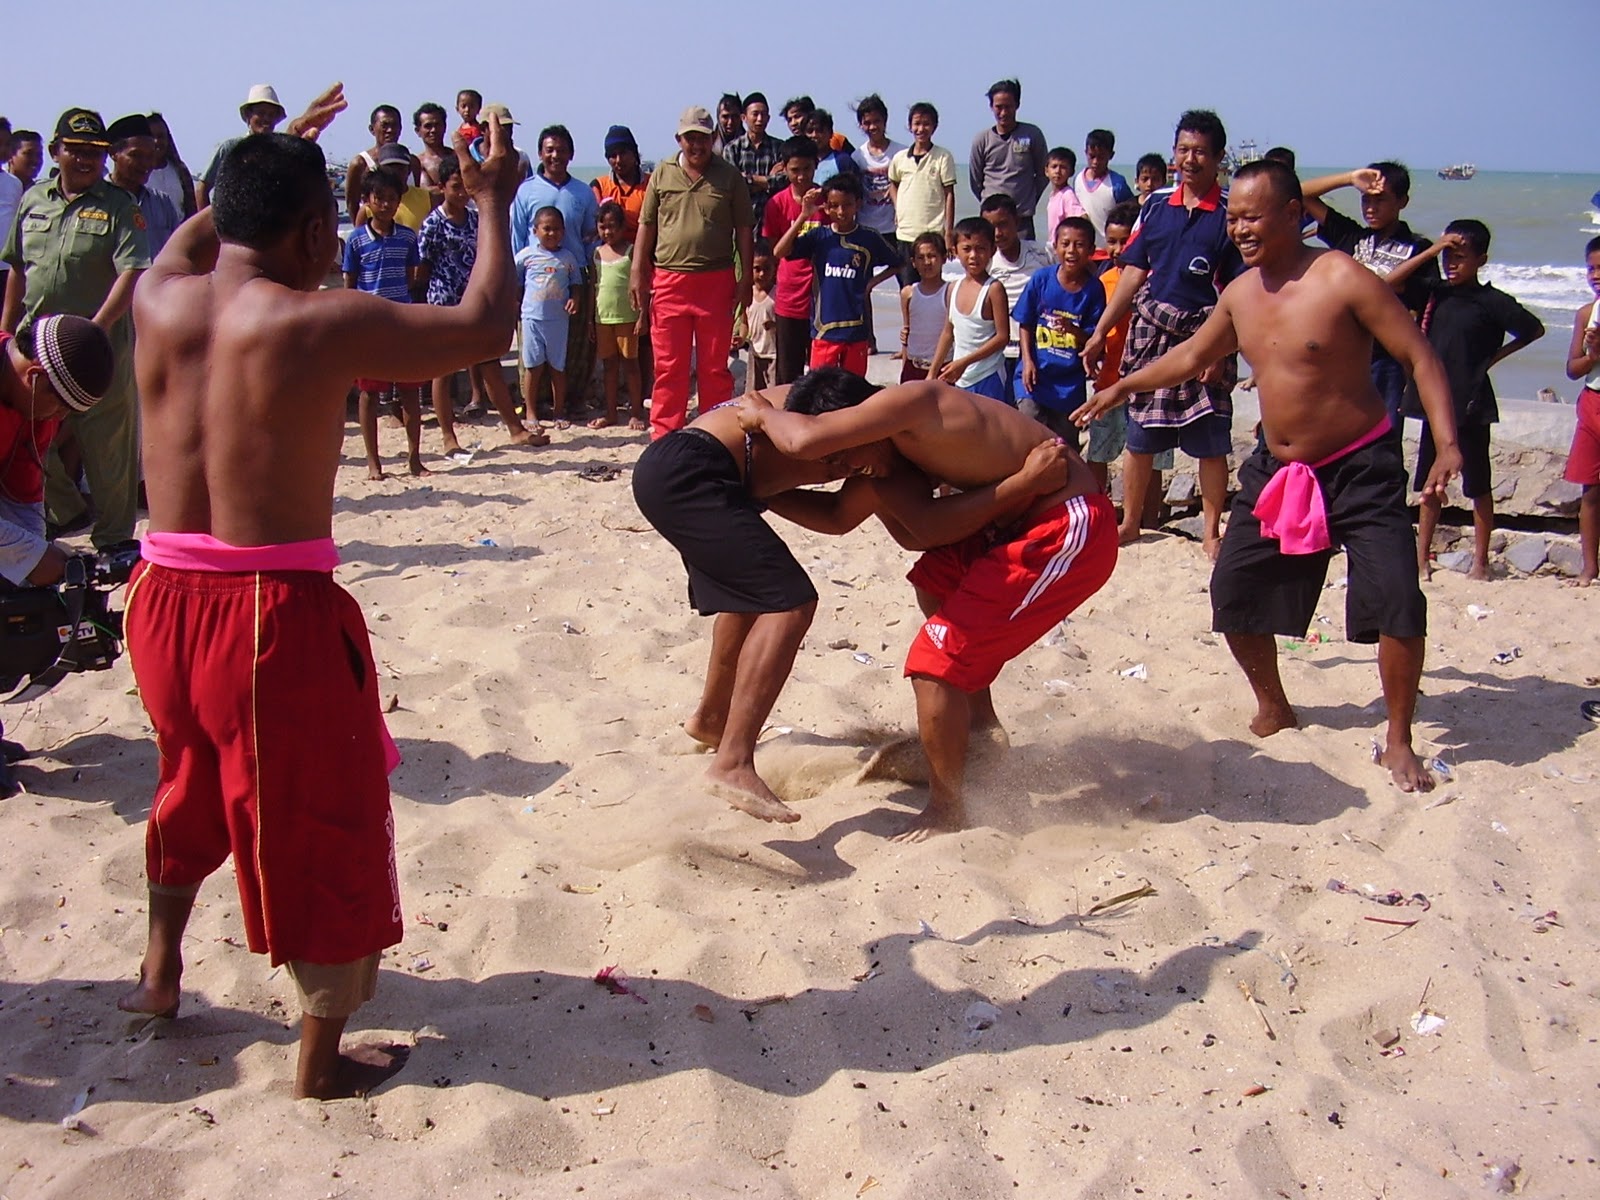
(1059, 306)
(843, 257)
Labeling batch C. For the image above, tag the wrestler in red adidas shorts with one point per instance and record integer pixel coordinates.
(998, 597)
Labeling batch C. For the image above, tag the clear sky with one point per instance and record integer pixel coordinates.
(1508, 86)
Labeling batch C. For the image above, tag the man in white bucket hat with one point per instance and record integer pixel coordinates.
(261, 112)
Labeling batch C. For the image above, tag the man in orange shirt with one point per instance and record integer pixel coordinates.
(628, 179)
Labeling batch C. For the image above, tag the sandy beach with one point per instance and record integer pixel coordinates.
(811, 1010)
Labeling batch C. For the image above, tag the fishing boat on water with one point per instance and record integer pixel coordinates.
(1460, 171)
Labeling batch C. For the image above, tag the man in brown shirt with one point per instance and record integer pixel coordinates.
(696, 216)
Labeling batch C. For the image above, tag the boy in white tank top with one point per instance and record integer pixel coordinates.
(977, 326)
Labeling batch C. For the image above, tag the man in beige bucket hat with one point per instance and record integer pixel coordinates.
(262, 112)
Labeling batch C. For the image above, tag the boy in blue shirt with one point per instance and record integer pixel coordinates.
(381, 258)
(549, 275)
(1059, 306)
(843, 257)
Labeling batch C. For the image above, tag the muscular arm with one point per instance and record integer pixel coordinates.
(1380, 311)
(913, 515)
(918, 520)
(881, 415)
(118, 300)
(363, 335)
(831, 512)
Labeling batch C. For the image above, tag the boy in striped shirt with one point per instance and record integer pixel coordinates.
(381, 257)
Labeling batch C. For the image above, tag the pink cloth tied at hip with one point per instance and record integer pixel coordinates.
(1291, 508)
(202, 552)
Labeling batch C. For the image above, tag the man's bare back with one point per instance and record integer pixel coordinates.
(953, 436)
(244, 365)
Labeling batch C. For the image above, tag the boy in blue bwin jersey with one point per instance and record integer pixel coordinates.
(1058, 308)
(844, 256)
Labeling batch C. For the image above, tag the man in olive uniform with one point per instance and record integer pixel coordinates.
(78, 246)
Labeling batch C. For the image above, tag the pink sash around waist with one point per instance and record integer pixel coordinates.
(202, 552)
(1291, 507)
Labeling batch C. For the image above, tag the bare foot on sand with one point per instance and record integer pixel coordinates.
(930, 821)
(1480, 572)
(416, 468)
(152, 998)
(1425, 572)
(1126, 536)
(530, 437)
(1269, 719)
(1406, 769)
(562, 423)
(744, 790)
(374, 473)
(638, 424)
(356, 1072)
(703, 731)
(902, 760)
(601, 423)
(1213, 546)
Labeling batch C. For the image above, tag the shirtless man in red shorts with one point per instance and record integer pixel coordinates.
(987, 597)
(254, 666)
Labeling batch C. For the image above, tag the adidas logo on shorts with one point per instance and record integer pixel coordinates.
(936, 633)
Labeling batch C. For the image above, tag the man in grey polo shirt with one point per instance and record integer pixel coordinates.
(261, 112)
(1010, 156)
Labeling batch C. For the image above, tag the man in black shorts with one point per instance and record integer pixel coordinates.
(1324, 471)
(701, 488)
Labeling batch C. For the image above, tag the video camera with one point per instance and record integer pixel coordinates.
(47, 633)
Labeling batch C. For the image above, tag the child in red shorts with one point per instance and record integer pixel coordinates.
(844, 256)
(1583, 463)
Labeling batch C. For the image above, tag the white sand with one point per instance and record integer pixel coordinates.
(547, 817)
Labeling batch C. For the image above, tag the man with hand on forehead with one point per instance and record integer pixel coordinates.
(253, 664)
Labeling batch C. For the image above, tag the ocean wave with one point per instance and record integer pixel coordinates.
(1563, 289)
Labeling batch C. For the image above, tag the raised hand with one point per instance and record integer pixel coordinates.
(319, 114)
(494, 180)
(1367, 179)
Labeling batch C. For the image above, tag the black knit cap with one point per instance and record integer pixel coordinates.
(135, 125)
(77, 358)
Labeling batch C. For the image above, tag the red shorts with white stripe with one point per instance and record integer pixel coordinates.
(998, 597)
(264, 697)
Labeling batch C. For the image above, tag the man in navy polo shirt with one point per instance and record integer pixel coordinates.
(1181, 247)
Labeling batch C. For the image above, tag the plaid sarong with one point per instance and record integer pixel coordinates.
(1157, 327)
